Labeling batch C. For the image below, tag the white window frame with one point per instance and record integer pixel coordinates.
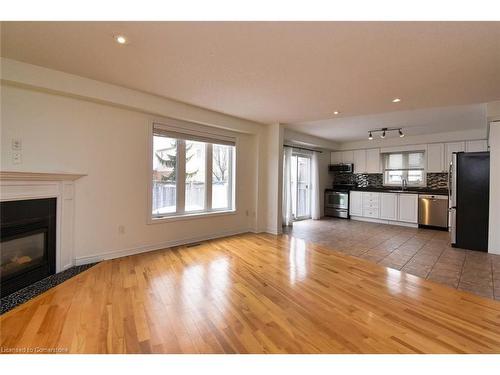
(186, 128)
(404, 170)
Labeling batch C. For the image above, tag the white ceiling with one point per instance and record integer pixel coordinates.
(415, 122)
(276, 71)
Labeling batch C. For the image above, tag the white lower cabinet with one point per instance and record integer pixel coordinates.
(392, 207)
(389, 206)
(371, 205)
(408, 208)
(355, 203)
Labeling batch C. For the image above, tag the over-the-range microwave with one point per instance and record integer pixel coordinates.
(342, 168)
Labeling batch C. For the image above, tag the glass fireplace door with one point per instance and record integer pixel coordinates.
(22, 254)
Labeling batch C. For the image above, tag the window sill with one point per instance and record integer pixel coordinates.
(197, 215)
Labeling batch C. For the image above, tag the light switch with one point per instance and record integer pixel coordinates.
(17, 157)
(17, 144)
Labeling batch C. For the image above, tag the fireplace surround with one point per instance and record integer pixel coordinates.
(57, 190)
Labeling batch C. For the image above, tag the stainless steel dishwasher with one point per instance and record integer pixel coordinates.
(433, 211)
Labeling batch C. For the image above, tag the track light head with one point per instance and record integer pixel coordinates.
(384, 131)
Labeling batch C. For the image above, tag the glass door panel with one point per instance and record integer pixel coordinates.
(303, 187)
(294, 186)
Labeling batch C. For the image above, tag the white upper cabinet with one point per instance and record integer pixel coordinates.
(373, 161)
(336, 157)
(450, 148)
(389, 206)
(408, 208)
(348, 157)
(360, 161)
(438, 156)
(476, 146)
(435, 158)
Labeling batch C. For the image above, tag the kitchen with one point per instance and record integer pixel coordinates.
(404, 181)
(402, 185)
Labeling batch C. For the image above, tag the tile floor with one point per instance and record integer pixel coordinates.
(422, 252)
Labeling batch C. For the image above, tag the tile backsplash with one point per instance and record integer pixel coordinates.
(434, 180)
(437, 180)
(359, 179)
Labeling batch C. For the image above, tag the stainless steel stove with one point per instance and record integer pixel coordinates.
(337, 201)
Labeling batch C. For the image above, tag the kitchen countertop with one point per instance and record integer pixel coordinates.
(398, 190)
(406, 191)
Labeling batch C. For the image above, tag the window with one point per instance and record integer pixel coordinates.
(222, 189)
(195, 175)
(192, 173)
(164, 175)
(404, 165)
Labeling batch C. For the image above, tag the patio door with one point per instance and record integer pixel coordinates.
(301, 186)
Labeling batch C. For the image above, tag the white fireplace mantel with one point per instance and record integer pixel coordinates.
(34, 185)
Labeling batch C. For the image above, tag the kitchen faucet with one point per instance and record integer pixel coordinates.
(404, 184)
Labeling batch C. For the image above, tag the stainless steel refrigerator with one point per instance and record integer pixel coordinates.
(469, 190)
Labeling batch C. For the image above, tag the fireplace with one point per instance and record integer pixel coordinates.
(28, 242)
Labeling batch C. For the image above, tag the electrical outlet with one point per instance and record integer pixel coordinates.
(17, 158)
(17, 145)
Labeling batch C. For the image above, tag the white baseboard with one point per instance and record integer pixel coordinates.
(146, 248)
(382, 221)
(267, 230)
(273, 231)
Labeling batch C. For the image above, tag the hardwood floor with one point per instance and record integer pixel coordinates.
(425, 253)
(252, 294)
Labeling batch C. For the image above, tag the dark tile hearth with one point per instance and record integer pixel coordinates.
(7, 303)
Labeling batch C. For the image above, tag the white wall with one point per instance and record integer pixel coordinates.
(493, 111)
(53, 81)
(494, 222)
(274, 178)
(108, 141)
(309, 140)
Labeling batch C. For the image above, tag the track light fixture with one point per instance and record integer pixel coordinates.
(384, 131)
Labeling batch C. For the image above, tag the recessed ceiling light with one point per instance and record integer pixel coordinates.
(121, 39)
(396, 100)
(336, 112)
